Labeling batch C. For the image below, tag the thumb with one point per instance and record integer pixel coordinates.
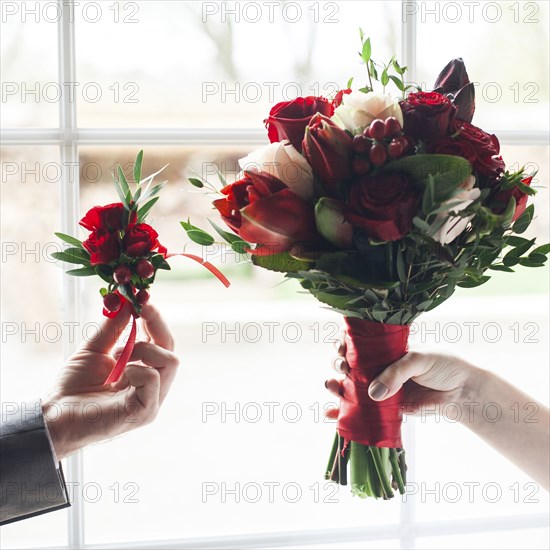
(391, 380)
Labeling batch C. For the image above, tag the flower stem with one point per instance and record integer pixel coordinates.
(396, 471)
(381, 471)
(332, 456)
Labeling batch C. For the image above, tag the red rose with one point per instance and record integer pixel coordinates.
(328, 150)
(427, 115)
(261, 209)
(288, 119)
(337, 101)
(103, 246)
(107, 217)
(383, 206)
(481, 149)
(520, 197)
(139, 239)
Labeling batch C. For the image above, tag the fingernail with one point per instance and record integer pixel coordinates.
(326, 384)
(378, 390)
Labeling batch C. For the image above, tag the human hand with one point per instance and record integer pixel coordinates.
(428, 379)
(80, 410)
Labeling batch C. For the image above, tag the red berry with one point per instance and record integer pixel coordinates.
(405, 143)
(112, 302)
(142, 297)
(378, 154)
(145, 269)
(377, 129)
(361, 145)
(395, 149)
(391, 127)
(360, 166)
(122, 275)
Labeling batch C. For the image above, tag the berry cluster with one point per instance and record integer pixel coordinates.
(123, 275)
(380, 141)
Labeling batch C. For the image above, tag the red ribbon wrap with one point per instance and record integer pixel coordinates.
(370, 348)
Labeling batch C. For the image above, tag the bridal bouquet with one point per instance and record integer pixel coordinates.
(123, 251)
(380, 207)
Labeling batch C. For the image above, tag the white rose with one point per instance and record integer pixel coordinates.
(358, 110)
(284, 162)
(455, 225)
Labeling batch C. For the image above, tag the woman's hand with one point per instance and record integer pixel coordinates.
(429, 379)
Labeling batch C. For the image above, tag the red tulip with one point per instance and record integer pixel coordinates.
(329, 151)
(261, 209)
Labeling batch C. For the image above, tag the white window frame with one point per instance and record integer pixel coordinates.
(69, 137)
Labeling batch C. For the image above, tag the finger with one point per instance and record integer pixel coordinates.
(340, 365)
(159, 358)
(332, 413)
(109, 332)
(334, 386)
(340, 344)
(156, 327)
(392, 378)
(144, 395)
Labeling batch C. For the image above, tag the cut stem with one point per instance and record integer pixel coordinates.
(333, 452)
(381, 471)
(396, 471)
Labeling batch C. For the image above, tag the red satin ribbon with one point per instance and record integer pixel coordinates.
(120, 365)
(118, 369)
(370, 348)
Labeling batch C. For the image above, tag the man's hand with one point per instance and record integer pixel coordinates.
(81, 410)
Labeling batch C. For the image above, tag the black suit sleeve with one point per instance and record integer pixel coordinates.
(31, 478)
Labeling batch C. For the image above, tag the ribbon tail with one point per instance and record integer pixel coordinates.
(212, 268)
(118, 369)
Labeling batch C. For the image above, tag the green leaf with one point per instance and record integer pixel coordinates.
(350, 82)
(137, 167)
(447, 171)
(472, 283)
(124, 183)
(144, 210)
(122, 196)
(537, 258)
(159, 262)
(196, 182)
(82, 272)
(384, 79)
(73, 256)
(397, 82)
(523, 222)
(529, 263)
(197, 235)
(401, 270)
(516, 241)
(542, 249)
(366, 52)
(68, 239)
(499, 267)
(237, 244)
(422, 225)
(282, 262)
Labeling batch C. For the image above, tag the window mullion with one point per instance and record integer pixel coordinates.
(69, 192)
(407, 521)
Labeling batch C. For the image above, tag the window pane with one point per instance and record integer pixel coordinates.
(258, 349)
(508, 59)
(496, 540)
(32, 327)
(209, 67)
(28, 42)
